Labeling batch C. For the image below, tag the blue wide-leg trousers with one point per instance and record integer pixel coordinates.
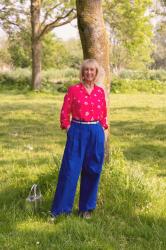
(83, 154)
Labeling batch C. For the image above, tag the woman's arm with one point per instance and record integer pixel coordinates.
(66, 110)
(103, 120)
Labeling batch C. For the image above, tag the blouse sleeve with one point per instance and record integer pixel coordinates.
(103, 120)
(66, 110)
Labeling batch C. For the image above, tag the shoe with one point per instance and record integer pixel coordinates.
(52, 218)
(85, 215)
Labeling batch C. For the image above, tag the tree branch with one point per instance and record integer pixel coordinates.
(56, 23)
(48, 11)
(6, 22)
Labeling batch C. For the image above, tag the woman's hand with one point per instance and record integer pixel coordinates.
(67, 128)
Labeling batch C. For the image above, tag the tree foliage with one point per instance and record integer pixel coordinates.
(54, 52)
(15, 14)
(20, 48)
(74, 53)
(130, 32)
(159, 54)
(160, 7)
(5, 57)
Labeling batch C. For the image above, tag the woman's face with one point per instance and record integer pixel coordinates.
(89, 73)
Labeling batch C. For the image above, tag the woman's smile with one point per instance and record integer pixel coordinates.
(89, 74)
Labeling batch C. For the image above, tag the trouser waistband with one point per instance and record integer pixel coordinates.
(84, 122)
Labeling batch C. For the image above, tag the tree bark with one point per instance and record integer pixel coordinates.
(36, 44)
(95, 43)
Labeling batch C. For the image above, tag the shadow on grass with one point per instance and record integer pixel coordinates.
(139, 129)
(141, 135)
(142, 152)
(21, 132)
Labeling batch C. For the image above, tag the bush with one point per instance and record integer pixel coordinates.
(119, 85)
(65, 74)
(59, 79)
(18, 79)
(144, 75)
(52, 80)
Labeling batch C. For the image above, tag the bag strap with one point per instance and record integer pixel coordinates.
(34, 189)
(37, 190)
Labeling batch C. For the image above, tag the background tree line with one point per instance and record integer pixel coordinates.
(134, 42)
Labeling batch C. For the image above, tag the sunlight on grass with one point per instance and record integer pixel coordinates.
(131, 212)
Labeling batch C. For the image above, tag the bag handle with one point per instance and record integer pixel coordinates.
(34, 187)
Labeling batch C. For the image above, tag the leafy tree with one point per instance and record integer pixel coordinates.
(74, 53)
(160, 44)
(160, 8)
(5, 57)
(54, 52)
(130, 32)
(20, 48)
(164, 2)
(44, 16)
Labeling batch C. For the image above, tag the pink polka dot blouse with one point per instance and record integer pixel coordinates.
(84, 106)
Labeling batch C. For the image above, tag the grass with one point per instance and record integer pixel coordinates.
(131, 212)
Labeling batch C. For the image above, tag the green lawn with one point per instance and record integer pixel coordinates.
(131, 212)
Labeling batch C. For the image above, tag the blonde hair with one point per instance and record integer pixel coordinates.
(86, 63)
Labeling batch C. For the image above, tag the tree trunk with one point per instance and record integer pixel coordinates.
(36, 44)
(95, 41)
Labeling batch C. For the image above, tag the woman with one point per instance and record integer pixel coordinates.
(84, 150)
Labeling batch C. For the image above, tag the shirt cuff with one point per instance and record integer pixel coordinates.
(105, 126)
(65, 126)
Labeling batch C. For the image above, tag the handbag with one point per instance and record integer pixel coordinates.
(35, 197)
